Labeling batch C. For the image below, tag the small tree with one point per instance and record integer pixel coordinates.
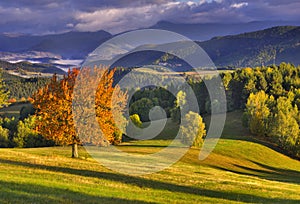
(142, 107)
(134, 125)
(193, 129)
(135, 118)
(179, 105)
(258, 112)
(4, 137)
(285, 127)
(3, 92)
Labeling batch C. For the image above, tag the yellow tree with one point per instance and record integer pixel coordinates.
(259, 112)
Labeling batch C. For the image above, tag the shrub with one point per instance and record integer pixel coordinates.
(135, 118)
(192, 130)
(11, 125)
(27, 136)
(134, 127)
(4, 137)
(142, 107)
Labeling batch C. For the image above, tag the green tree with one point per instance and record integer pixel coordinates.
(258, 112)
(27, 136)
(142, 107)
(285, 127)
(3, 92)
(192, 130)
(135, 118)
(4, 137)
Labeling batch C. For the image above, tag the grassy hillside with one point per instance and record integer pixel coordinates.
(240, 169)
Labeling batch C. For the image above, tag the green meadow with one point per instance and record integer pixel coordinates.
(241, 169)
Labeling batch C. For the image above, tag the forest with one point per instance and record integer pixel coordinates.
(269, 96)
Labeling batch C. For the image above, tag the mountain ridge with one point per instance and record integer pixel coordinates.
(263, 47)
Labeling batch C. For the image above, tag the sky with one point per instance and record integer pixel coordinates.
(114, 16)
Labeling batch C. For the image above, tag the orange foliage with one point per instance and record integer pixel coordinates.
(54, 107)
(12, 100)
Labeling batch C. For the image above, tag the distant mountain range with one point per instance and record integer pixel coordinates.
(206, 31)
(264, 47)
(71, 45)
(276, 44)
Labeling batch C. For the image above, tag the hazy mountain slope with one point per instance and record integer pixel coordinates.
(206, 31)
(277, 44)
(271, 45)
(67, 45)
(74, 45)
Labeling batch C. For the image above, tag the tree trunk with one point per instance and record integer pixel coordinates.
(74, 150)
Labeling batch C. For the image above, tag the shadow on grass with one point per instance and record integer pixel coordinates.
(11, 192)
(146, 183)
(234, 130)
(267, 172)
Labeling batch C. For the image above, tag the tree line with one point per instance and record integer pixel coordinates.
(269, 96)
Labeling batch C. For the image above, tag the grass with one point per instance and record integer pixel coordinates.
(240, 170)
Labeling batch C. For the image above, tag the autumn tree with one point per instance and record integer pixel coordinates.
(53, 105)
(109, 107)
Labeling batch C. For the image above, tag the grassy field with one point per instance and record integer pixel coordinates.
(240, 169)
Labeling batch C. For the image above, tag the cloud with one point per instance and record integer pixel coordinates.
(239, 5)
(52, 16)
(119, 19)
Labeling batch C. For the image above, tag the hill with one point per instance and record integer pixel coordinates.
(240, 170)
(273, 45)
(268, 46)
(24, 67)
(71, 45)
(264, 47)
(206, 31)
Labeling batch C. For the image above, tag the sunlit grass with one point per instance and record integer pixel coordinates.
(238, 170)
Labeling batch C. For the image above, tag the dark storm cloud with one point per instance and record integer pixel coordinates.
(52, 16)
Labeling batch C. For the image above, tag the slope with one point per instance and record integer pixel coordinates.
(239, 170)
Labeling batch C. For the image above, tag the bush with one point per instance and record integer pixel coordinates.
(135, 118)
(11, 125)
(192, 130)
(27, 136)
(142, 107)
(134, 127)
(4, 137)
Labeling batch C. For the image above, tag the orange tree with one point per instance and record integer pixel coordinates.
(53, 105)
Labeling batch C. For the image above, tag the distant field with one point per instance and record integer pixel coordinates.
(240, 169)
(174, 73)
(13, 110)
